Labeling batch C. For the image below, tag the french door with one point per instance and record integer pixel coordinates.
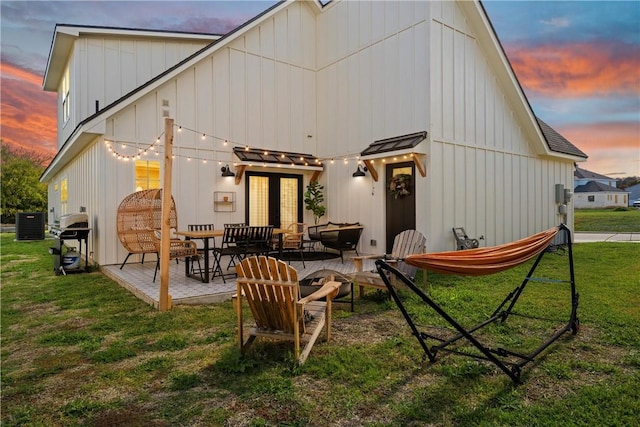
(273, 199)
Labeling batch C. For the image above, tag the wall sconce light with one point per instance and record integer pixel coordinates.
(226, 171)
(360, 172)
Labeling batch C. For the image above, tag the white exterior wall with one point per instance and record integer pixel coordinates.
(330, 84)
(104, 69)
(259, 90)
(373, 83)
(601, 200)
(92, 183)
(487, 178)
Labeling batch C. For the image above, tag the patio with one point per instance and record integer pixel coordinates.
(138, 279)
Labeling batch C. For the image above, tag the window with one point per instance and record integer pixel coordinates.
(64, 196)
(65, 91)
(591, 198)
(147, 174)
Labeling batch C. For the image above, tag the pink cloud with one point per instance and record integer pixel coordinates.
(611, 147)
(577, 69)
(610, 136)
(28, 113)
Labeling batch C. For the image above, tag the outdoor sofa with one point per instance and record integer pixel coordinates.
(339, 236)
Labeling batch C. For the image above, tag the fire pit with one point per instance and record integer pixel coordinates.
(315, 280)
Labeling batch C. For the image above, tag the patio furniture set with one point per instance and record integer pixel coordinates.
(139, 219)
(272, 289)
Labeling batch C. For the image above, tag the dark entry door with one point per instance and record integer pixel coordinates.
(273, 199)
(400, 208)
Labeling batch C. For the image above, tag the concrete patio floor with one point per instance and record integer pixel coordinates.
(138, 279)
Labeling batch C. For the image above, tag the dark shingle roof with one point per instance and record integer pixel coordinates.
(557, 142)
(585, 174)
(595, 187)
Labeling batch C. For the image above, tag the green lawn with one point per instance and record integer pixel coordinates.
(79, 350)
(626, 220)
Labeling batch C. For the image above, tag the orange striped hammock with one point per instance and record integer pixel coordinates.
(484, 261)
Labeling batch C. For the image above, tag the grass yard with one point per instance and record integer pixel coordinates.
(79, 350)
(626, 220)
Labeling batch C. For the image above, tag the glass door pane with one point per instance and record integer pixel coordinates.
(288, 201)
(258, 200)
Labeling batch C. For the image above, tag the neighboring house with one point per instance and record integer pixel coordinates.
(596, 191)
(595, 195)
(583, 176)
(634, 193)
(415, 88)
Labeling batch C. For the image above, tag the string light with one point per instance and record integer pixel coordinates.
(145, 149)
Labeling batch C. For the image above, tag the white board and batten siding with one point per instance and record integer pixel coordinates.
(104, 68)
(373, 68)
(93, 182)
(329, 83)
(258, 90)
(489, 178)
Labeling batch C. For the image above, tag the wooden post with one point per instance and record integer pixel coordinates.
(165, 298)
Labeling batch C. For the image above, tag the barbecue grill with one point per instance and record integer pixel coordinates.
(70, 227)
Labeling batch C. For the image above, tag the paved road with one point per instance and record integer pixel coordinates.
(581, 237)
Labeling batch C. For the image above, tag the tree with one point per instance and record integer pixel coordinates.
(313, 199)
(628, 181)
(20, 183)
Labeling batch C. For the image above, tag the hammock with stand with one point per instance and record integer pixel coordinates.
(476, 262)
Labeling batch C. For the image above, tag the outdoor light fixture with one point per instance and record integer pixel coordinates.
(226, 171)
(360, 172)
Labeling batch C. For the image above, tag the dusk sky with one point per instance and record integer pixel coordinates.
(577, 61)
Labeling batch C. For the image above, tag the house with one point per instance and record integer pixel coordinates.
(596, 191)
(308, 91)
(583, 176)
(634, 193)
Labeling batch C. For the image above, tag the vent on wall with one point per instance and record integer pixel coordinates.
(30, 226)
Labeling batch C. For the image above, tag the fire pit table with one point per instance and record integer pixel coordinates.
(315, 280)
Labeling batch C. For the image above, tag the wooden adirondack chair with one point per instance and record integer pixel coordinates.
(406, 243)
(270, 287)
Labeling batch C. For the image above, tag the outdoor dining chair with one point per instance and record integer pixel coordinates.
(293, 240)
(202, 227)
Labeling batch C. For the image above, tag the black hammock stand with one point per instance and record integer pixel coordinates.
(510, 362)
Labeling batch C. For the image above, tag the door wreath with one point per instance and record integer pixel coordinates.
(400, 185)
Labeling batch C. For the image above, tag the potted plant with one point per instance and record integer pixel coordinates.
(313, 199)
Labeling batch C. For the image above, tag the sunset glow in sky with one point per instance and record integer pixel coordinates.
(577, 61)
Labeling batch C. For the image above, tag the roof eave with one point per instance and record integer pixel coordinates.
(61, 46)
(93, 121)
(65, 36)
(75, 144)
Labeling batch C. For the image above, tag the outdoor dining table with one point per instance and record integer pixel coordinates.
(207, 235)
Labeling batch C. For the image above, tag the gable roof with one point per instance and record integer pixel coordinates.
(65, 35)
(597, 187)
(557, 142)
(141, 90)
(585, 174)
